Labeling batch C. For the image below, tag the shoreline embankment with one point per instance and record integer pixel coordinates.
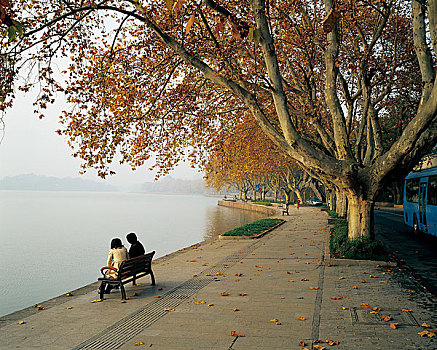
(249, 206)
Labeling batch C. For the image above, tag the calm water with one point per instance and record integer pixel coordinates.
(54, 242)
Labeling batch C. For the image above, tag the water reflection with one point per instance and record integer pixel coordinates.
(219, 219)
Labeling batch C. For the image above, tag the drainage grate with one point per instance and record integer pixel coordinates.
(360, 316)
(124, 330)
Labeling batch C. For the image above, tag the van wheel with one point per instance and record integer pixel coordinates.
(415, 225)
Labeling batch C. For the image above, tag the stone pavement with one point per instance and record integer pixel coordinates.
(276, 292)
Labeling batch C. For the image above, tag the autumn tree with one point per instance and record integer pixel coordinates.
(320, 78)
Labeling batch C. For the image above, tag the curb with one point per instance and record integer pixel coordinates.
(259, 235)
(351, 262)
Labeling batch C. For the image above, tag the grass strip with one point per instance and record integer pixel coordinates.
(253, 228)
(266, 203)
(365, 249)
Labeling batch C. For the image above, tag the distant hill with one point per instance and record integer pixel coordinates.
(169, 184)
(32, 182)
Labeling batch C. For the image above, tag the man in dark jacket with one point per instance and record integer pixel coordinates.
(136, 248)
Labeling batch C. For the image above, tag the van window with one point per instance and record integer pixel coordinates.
(412, 190)
(432, 190)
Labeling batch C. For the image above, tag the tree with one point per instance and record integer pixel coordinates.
(318, 77)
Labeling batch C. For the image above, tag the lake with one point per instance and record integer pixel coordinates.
(54, 242)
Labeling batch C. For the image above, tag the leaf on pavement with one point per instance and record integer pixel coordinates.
(394, 325)
(385, 318)
(235, 334)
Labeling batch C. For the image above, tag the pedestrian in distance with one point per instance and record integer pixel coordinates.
(136, 248)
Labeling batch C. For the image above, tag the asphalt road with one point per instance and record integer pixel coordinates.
(419, 252)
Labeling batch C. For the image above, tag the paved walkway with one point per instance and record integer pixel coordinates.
(271, 293)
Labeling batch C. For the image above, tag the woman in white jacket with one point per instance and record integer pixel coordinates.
(117, 255)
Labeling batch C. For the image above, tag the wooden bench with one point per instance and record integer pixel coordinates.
(129, 271)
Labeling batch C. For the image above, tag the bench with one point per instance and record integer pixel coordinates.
(285, 210)
(129, 271)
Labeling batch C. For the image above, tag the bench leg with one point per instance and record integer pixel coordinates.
(102, 289)
(123, 292)
(152, 276)
(134, 280)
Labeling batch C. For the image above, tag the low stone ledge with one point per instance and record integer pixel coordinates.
(249, 206)
(351, 262)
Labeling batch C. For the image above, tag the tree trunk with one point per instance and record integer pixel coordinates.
(287, 196)
(331, 200)
(341, 204)
(360, 217)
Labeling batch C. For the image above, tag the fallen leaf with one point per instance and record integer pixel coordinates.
(290, 280)
(157, 296)
(278, 323)
(139, 343)
(288, 273)
(301, 318)
(364, 305)
(302, 343)
(243, 294)
(199, 302)
(354, 287)
(69, 307)
(341, 278)
(314, 287)
(210, 304)
(425, 325)
(69, 294)
(344, 308)
(274, 320)
(331, 342)
(373, 276)
(372, 312)
(299, 297)
(394, 325)
(318, 347)
(382, 281)
(235, 309)
(122, 301)
(169, 309)
(234, 334)
(304, 279)
(224, 294)
(407, 310)
(281, 297)
(363, 281)
(337, 298)
(376, 308)
(426, 334)
(385, 318)
(21, 322)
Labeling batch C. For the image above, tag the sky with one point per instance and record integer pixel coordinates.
(31, 146)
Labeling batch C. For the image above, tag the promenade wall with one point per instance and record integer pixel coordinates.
(249, 206)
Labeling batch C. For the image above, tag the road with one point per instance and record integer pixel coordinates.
(418, 252)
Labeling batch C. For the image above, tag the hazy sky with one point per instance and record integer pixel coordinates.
(31, 145)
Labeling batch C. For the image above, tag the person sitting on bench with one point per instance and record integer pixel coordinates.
(285, 210)
(117, 255)
(136, 248)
